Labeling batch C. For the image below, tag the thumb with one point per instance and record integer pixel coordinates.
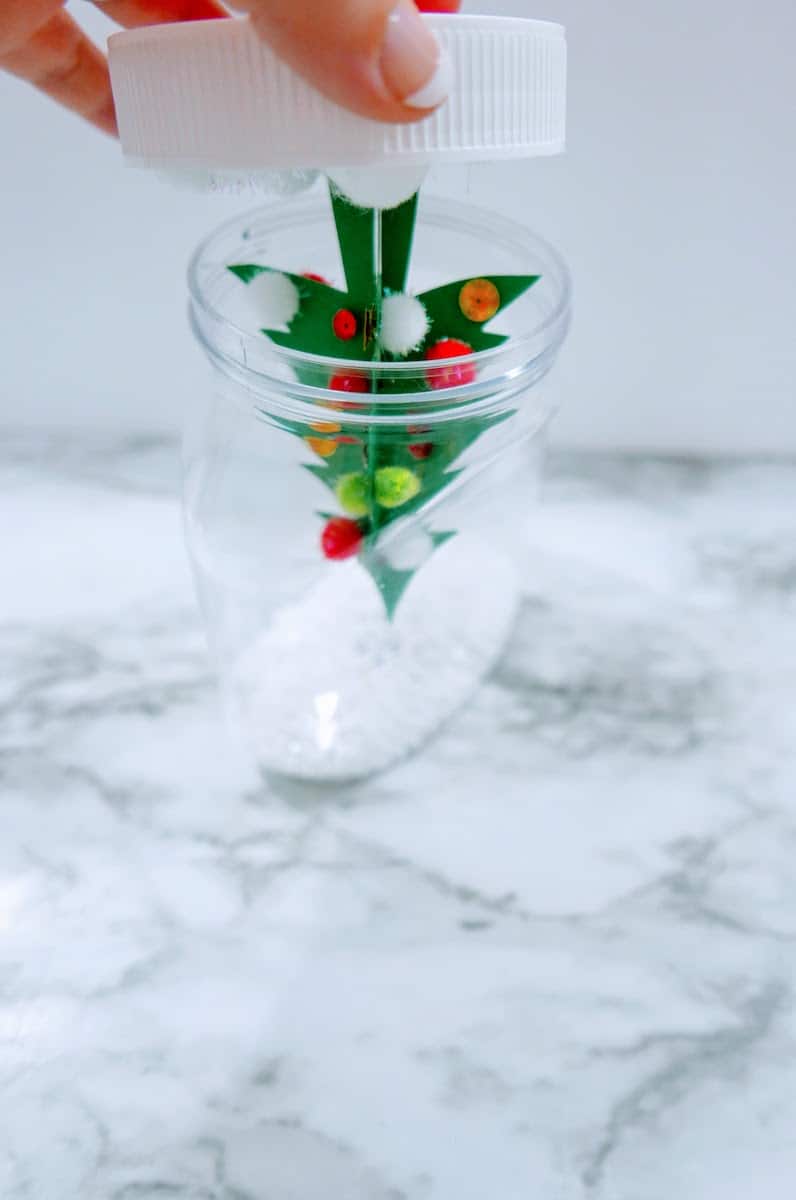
(376, 57)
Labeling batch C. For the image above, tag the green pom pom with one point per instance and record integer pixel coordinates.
(352, 492)
(396, 486)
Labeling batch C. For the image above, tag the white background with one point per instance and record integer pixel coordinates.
(675, 206)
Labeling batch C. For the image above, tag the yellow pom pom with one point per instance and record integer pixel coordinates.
(396, 486)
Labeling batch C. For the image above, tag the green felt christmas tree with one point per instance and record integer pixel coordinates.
(379, 475)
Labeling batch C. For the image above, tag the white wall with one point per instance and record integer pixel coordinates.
(675, 206)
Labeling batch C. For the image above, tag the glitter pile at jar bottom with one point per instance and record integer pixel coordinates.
(333, 691)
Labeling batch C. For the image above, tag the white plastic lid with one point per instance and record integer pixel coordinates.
(213, 94)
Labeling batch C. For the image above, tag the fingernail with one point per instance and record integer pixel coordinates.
(414, 67)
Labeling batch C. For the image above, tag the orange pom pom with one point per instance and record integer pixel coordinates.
(479, 300)
(323, 447)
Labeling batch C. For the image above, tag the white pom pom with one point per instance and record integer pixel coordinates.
(382, 187)
(409, 549)
(404, 324)
(274, 299)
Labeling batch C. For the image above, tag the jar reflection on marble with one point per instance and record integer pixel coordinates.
(342, 648)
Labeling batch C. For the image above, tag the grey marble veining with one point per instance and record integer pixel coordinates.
(553, 957)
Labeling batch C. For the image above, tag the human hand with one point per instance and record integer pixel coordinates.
(375, 57)
(42, 43)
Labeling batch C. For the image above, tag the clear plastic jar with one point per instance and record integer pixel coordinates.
(334, 667)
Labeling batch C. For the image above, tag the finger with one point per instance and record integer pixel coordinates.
(377, 57)
(60, 60)
(156, 12)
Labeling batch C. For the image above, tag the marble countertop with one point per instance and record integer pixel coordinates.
(553, 958)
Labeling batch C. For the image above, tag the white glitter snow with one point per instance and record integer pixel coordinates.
(334, 691)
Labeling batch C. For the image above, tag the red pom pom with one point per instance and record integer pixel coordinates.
(345, 325)
(421, 450)
(448, 348)
(341, 538)
(348, 383)
(315, 278)
(455, 375)
(438, 5)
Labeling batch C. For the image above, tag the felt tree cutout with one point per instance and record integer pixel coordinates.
(378, 475)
